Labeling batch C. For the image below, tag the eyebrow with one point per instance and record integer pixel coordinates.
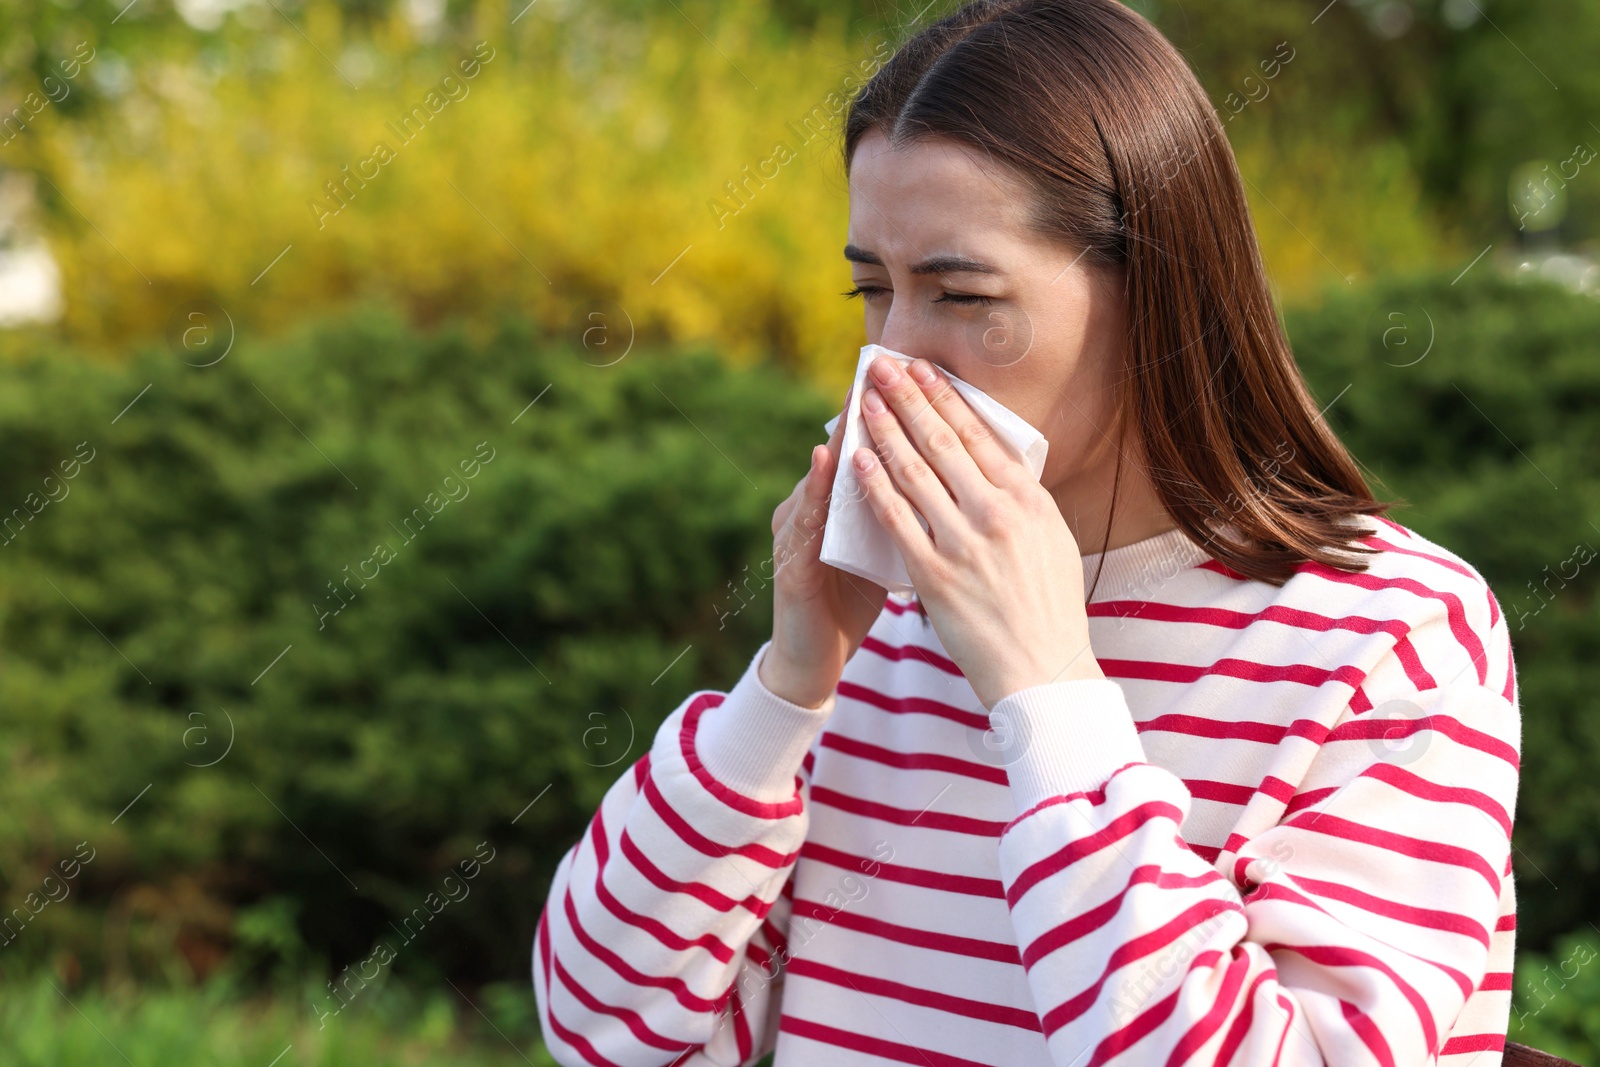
(932, 265)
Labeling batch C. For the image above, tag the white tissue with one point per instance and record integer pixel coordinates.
(854, 540)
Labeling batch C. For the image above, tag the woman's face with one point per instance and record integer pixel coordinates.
(934, 227)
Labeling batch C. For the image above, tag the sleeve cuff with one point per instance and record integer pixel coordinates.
(1069, 737)
(754, 741)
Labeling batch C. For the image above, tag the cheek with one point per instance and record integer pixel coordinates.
(1073, 403)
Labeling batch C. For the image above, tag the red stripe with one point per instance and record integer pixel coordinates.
(1095, 796)
(1422, 788)
(1229, 667)
(1406, 653)
(874, 1046)
(1223, 569)
(1395, 526)
(894, 872)
(741, 1025)
(1297, 618)
(1233, 977)
(1455, 611)
(932, 820)
(912, 705)
(1339, 956)
(1389, 909)
(1370, 729)
(1223, 792)
(1146, 1022)
(734, 799)
(1277, 789)
(1244, 730)
(1309, 798)
(631, 1019)
(756, 853)
(657, 929)
(1134, 949)
(673, 984)
(1085, 923)
(542, 935)
(579, 1042)
(1367, 1030)
(1070, 853)
(914, 653)
(914, 761)
(699, 890)
(1496, 982)
(1378, 542)
(1003, 1014)
(1474, 1043)
(955, 945)
(1279, 891)
(1405, 845)
(774, 936)
(1245, 1019)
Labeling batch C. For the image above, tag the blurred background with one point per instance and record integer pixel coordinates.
(394, 395)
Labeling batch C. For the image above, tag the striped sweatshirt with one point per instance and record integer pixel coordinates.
(1277, 832)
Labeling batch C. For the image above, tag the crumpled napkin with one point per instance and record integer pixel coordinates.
(854, 540)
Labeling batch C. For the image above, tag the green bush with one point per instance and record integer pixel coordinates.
(1555, 1003)
(1474, 402)
(518, 647)
(48, 1025)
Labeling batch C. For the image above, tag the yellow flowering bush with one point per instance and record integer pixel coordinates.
(671, 178)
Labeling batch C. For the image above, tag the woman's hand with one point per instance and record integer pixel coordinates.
(820, 614)
(998, 570)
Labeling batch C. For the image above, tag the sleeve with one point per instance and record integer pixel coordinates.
(1350, 931)
(660, 941)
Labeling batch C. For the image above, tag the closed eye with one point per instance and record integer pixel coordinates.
(965, 299)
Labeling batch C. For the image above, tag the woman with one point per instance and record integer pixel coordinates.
(1245, 797)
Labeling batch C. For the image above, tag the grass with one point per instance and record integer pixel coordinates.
(46, 1025)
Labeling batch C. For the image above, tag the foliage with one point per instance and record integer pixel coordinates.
(1473, 401)
(1556, 1001)
(48, 1024)
(626, 172)
(596, 174)
(214, 576)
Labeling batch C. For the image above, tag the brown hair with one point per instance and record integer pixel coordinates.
(1103, 118)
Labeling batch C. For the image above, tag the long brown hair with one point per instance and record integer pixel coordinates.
(1104, 120)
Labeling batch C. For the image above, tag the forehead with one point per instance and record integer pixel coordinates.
(931, 196)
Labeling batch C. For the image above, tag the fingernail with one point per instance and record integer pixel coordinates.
(885, 370)
(923, 372)
(873, 401)
(864, 462)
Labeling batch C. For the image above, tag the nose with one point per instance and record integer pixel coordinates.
(901, 334)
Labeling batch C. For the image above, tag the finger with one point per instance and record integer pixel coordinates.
(925, 425)
(787, 507)
(815, 481)
(1000, 466)
(894, 512)
(780, 514)
(910, 470)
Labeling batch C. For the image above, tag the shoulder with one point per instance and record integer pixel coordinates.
(1437, 604)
